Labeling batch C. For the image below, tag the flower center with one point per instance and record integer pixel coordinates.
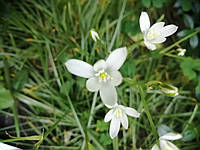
(103, 76)
(118, 112)
(153, 34)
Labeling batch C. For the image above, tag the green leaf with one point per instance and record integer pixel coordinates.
(183, 33)
(20, 79)
(189, 66)
(188, 20)
(146, 3)
(186, 4)
(105, 139)
(102, 126)
(6, 99)
(194, 41)
(158, 3)
(129, 68)
(189, 135)
(131, 27)
(197, 90)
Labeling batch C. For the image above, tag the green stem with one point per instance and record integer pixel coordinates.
(36, 137)
(14, 107)
(16, 120)
(180, 41)
(76, 117)
(148, 114)
(135, 45)
(92, 109)
(117, 30)
(115, 144)
(37, 145)
(191, 118)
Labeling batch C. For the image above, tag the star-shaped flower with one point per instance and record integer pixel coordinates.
(103, 76)
(157, 33)
(118, 115)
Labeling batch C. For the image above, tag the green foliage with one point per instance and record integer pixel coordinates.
(40, 36)
(20, 79)
(189, 67)
(146, 3)
(6, 99)
(186, 4)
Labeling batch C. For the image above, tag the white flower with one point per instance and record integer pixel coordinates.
(7, 147)
(181, 52)
(165, 144)
(94, 35)
(118, 115)
(103, 76)
(169, 89)
(157, 33)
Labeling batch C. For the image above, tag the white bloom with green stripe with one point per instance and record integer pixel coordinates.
(155, 34)
(118, 115)
(103, 76)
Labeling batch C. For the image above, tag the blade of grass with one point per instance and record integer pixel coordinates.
(148, 114)
(117, 30)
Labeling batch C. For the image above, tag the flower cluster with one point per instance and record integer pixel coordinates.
(104, 76)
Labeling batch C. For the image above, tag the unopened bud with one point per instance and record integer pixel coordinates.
(181, 52)
(94, 35)
(168, 89)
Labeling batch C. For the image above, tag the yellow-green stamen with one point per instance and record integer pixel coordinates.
(103, 75)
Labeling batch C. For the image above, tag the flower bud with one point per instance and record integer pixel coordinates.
(181, 52)
(168, 89)
(94, 35)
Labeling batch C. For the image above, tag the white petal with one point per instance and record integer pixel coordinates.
(124, 121)
(132, 112)
(144, 22)
(114, 127)
(93, 84)
(99, 65)
(79, 68)
(116, 78)
(108, 94)
(168, 30)
(163, 144)
(167, 145)
(157, 26)
(7, 147)
(149, 45)
(172, 146)
(116, 59)
(159, 39)
(171, 136)
(155, 147)
(108, 116)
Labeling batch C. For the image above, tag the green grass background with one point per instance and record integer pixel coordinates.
(38, 36)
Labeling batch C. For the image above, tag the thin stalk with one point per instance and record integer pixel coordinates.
(180, 41)
(35, 137)
(191, 118)
(14, 107)
(135, 45)
(148, 114)
(115, 144)
(118, 26)
(16, 120)
(37, 145)
(92, 109)
(76, 116)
